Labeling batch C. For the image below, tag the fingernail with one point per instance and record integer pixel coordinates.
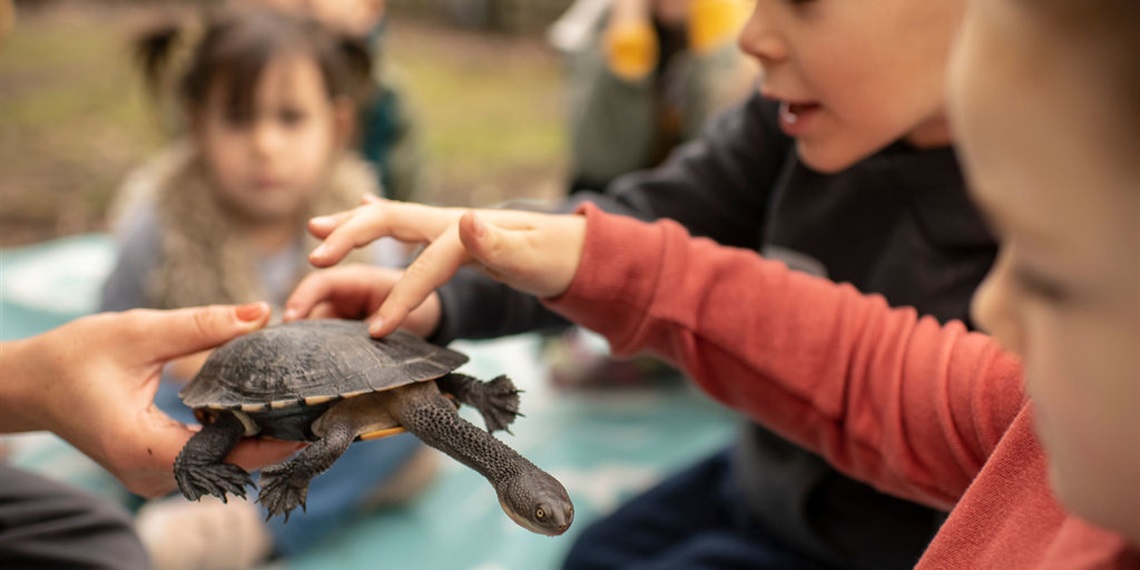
(290, 315)
(250, 311)
(375, 326)
(319, 220)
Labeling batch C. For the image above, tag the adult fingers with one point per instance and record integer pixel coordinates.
(252, 454)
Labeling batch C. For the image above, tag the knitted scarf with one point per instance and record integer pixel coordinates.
(206, 254)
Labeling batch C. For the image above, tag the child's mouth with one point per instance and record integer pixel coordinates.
(794, 117)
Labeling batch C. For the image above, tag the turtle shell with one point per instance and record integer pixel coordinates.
(313, 362)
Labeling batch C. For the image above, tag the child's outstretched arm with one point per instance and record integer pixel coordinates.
(905, 403)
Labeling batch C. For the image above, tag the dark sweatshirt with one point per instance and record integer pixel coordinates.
(898, 223)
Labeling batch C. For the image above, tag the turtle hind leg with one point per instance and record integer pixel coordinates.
(497, 400)
(199, 468)
(285, 486)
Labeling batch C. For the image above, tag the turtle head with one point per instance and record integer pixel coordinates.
(537, 502)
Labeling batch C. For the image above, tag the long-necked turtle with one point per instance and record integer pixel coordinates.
(326, 381)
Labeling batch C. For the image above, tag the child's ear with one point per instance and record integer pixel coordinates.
(344, 121)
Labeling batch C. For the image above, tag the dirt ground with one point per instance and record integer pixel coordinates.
(74, 119)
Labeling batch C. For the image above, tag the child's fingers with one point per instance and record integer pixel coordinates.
(347, 230)
(437, 263)
(359, 229)
(409, 223)
(314, 289)
(325, 310)
(322, 226)
(501, 252)
(346, 291)
(538, 258)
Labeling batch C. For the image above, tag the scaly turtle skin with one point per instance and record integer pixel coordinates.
(329, 383)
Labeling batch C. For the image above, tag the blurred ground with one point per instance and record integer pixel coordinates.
(74, 119)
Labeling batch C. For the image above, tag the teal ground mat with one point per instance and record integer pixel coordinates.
(603, 444)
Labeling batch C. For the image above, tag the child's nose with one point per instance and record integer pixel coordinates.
(760, 38)
(992, 308)
(267, 139)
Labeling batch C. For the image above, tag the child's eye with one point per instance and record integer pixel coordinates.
(291, 117)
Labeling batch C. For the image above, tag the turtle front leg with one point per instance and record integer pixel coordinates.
(497, 400)
(285, 486)
(199, 468)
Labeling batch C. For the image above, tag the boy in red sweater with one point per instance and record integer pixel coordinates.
(933, 413)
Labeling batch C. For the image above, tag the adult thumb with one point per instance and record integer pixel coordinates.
(179, 332)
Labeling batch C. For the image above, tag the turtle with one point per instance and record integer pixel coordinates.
(326, 381)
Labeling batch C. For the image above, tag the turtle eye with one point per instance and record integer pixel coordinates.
(540, 513)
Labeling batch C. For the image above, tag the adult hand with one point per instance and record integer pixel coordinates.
(93, 380)
(356, 292)
(532, 252)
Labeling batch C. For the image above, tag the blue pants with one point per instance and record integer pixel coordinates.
(695, 520)
(334, 495)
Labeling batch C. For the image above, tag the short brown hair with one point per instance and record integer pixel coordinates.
(237, 45)
(1109, 32)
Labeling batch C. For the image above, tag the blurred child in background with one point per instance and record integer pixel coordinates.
(645, 75)
(269, 101)
(389, 132)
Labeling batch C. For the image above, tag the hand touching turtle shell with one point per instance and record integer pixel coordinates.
(533, 252)
(92, 382)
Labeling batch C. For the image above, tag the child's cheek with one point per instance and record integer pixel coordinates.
(316, 153)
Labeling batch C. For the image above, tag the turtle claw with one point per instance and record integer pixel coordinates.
(498, 401)
(280, 493)
(215, 479)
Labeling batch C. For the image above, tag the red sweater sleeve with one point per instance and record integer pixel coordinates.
(909, 405)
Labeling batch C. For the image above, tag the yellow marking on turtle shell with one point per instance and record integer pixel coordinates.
(356, 393)
(278, 404)
(318, 400)
(254, 407)
(381, 433)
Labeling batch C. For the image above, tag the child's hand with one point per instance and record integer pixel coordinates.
(534, 253)
(93, 380)
(355, 292)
